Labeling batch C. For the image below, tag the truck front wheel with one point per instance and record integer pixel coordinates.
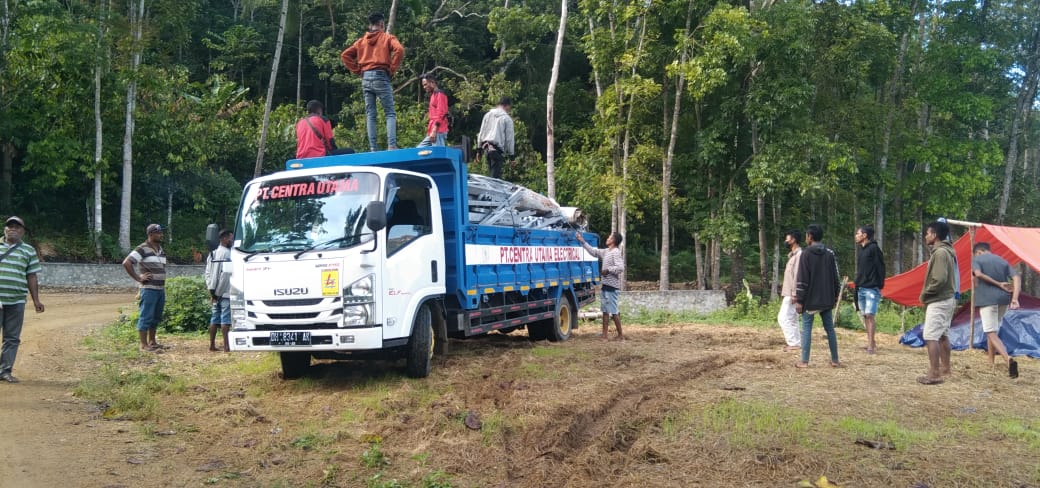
(295, 364)
(420, 345)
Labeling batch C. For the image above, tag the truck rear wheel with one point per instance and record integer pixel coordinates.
(420, 345)
(557, 328)
(295, 364)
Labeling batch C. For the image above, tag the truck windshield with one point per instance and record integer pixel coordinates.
(305, 212)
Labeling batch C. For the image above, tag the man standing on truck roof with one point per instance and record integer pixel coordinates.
(495, 138)
(150, 260)
(437, 127)
(376, 57)
(611, 270)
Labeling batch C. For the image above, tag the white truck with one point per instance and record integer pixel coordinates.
(388, 254)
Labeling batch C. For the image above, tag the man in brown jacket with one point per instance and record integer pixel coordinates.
(376, 57)
(939, 298)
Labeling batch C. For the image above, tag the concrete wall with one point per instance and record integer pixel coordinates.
(66, 275)
(676, 301)
(69, 275)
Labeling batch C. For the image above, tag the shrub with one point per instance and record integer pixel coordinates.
(187, 306)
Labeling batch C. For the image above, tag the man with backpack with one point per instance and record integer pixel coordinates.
(437, 127)
(314, 134)
(495, 139)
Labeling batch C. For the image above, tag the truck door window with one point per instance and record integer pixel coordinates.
(408, 211)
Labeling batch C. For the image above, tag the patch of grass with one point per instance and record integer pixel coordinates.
(312, 440)
(436, 479)
(1024, 431)
(537, 371)
(492, 427)
(373, 457)
(551, 352)
(751, 423)
(377, 481)
(889, 430)
(128, 393)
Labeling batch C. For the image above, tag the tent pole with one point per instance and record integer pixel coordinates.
(902, 319)
(971, 278)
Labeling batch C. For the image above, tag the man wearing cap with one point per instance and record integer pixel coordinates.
(150, 274)
(18, 269)
(376, 57)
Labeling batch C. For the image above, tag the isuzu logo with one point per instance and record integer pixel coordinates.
(281, 292)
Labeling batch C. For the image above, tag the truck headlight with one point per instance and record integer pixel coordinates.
(238, 310)
(359, 290)
(355, 315)
(357, 302)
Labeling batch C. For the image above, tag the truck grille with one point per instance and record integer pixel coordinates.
(299, 302)
(332, 325)
(292, 316)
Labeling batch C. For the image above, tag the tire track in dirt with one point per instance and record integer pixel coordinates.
(595, 441)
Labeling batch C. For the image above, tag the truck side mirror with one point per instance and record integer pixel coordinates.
(212, 236)
(376, 216)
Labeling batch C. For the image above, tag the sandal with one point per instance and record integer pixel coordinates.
(924, 380)
(800, 364)
(837, 364)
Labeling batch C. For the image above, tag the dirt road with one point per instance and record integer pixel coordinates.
(675, 405)
(47, 435)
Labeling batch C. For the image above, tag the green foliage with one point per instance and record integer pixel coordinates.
(187, 307)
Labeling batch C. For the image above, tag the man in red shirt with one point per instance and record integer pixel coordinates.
(314, 133)
(376, 57)
(437, 128)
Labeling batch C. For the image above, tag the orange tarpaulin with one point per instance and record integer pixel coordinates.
(1014, 244)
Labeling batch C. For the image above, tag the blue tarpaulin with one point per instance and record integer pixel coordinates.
(1020, 330)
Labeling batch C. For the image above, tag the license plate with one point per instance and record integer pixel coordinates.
(290, 339)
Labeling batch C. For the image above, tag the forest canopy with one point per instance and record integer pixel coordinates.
(702, 130)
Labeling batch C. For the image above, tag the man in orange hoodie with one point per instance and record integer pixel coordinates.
(376, 57)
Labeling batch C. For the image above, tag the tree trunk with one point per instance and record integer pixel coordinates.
(666, 167)
(137, 25)
(773, 292)
(698, 259)
(391, 17)
(5, 177)
(550, 98)
(270, 89)
(1023, 107)
(299, 55)
(168, 237)
(95, 227)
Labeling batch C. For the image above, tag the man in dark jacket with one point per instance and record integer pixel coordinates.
(939, 298)
(870, 279)
(817, 292)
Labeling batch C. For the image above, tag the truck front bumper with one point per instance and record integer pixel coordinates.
(354, 339)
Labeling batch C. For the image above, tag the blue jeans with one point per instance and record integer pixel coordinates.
(220, 312)
(376, 84)
(868, 299)
(439, 139)
(151, 308)
(828, 325)
(11, 317)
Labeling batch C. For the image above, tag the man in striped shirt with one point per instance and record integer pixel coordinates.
(18, 269)
(150, 261)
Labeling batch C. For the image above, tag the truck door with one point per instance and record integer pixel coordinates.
(412, 248)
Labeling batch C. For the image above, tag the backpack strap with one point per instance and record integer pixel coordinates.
(328, 148)
(9, 251)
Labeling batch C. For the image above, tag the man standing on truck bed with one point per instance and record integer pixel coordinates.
(150, 260)
(612, 269)
(495, 138)
(437, 127)
(376, 57)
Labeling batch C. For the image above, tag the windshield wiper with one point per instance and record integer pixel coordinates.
(249, 254)
(325, 243)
